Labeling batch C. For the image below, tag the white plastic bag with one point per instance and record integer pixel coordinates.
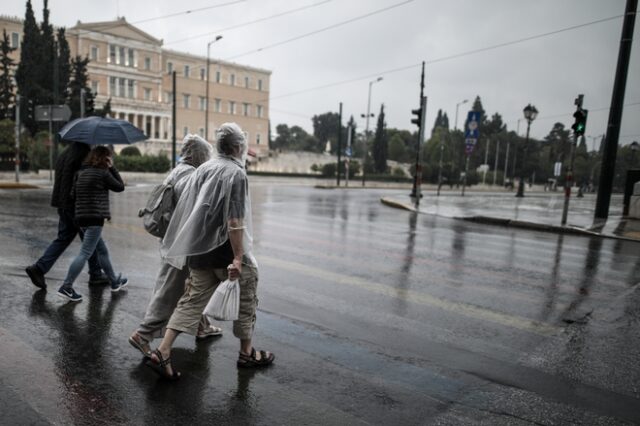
(225, 302)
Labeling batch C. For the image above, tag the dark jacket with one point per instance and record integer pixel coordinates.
(91, 191)
(68, 163)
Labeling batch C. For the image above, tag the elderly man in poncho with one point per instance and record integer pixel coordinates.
(210, 232)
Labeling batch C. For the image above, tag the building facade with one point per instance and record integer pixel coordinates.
(131, 68)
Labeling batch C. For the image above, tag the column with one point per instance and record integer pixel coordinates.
(153, 127)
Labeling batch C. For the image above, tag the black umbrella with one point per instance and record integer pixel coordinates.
(101, 131)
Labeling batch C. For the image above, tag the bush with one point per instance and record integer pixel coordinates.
(329, 170)
(143, 163)
(130, 151)
(398, 172)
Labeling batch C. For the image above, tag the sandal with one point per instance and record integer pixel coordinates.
(140, 344)
(250, 361)
(160, 366)
(211, 331)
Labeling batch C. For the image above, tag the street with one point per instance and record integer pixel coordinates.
(376, 316)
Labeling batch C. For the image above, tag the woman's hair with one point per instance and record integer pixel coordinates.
(195, 150)
(230, 139)
(98, 157)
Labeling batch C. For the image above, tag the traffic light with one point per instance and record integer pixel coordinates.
(580, 125)
(418, 119)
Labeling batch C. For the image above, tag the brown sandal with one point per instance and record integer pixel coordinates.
(250, 361)
(160, 366)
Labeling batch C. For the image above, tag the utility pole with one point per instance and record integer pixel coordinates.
(173, 120)
(506, 165)
(615, 115)
(486, 160)
(17, 133)
(578, 130)
(440, 163)
(495, 164)
(339, 145)
(420, 113)
(348, 159)
(82, 103)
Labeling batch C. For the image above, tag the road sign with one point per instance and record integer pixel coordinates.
(472, 129)
(557, 169)
(347, 152)
(53, 113)
(470, 144)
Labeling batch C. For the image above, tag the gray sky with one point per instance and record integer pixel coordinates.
(548, 72)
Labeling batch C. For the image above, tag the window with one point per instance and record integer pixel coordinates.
(112, 86)
(245, 109)
(121, 87)
(232, 107)
(203, 103)
(232, 80)
(147, 94)
(130, 58)
(259, 111)
(121, 56)
(185, 131)
(147, 63)
(169, 67)
(94, 53)
(260, 84)
(94, 87)
(187, 71)
(218, 76)
(201, 132)
(246, 82)
(130, 89)
(257, 138)
(168, 97)
(218, 105)
(186, 100)
(112, 54)
(203, 74)
(15, 40)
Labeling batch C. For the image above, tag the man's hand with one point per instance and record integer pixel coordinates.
(235, 269)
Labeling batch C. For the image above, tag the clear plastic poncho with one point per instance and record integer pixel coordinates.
(200, 220)
(194, 152)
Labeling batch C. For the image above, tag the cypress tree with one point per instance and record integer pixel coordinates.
(6, 82)
(79, 81)
(27, 73)
(64, 66)
(380, 150)
(48, 58)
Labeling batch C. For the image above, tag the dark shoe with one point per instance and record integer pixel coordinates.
(98, 279)
(36, 275)
(120, 283)
(252, 361)
(70, 294)
(159, 365)
(140, 344)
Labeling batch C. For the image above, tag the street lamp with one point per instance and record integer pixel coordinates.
(530, 114)
(206, 105)
(635, 146)
(366, 132)
(458, 105)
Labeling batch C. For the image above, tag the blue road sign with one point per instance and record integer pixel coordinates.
(347, 152)
(470, 144)
(472, 130)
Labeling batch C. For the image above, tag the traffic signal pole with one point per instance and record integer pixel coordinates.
(419, 121)
(579, 128)
(615, 115)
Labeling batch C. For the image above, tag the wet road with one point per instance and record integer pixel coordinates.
(376, 315)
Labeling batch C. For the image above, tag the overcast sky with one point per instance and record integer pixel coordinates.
(548, 72)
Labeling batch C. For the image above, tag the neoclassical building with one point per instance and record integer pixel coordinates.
(131, 68)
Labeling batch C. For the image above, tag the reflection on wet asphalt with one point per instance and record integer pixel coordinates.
(376, 315)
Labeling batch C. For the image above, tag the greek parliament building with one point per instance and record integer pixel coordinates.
(131, 67)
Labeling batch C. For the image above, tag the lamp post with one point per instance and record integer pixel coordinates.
(366, 132)
(457, 106)
(530, 114)
(635, 146)
(206, 102)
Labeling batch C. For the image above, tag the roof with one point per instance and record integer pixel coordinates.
(120, 27)
(191, 56)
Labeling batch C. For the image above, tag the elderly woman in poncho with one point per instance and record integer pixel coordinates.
(210, 232)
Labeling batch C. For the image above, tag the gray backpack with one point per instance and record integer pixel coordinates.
(156, 215)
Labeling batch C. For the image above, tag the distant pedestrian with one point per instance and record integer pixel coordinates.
(211, 232)
(68, 163)
(91, 192)
(170, 282)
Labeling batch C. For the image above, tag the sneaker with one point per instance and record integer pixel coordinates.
(98, 279)
(36, 275)
(120, 283)
(69, 293)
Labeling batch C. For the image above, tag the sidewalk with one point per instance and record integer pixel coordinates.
(537, 211)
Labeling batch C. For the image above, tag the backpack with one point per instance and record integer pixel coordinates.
(156, 215)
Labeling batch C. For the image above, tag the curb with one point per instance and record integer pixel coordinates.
(17, 185)
(516, 223)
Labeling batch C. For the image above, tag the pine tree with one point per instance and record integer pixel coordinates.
(6, 82)
(380, 149)
(64, 67)
(105, 111)
(79, 81)
(48, 58)
(437, 123)
(27, 73)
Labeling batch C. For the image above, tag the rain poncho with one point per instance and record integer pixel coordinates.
(216, 192)
(194, 152)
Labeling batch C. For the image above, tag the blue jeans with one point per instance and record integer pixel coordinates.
(92, 242)
(67, 231)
